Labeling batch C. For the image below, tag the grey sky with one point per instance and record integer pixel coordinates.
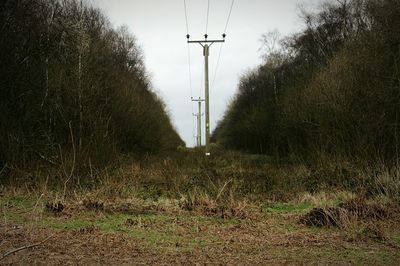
(160, 28)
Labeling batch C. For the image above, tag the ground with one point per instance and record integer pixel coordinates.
(161, 232)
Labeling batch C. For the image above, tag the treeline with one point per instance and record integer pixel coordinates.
(71, 85)
(332, 89)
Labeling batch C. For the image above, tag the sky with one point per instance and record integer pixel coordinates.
(160, 29)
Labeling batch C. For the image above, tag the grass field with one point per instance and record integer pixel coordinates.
(237, 210)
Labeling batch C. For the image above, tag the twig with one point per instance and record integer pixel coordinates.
(24, 247)
(4, 167)
(73, 162)
(37, 202)
(46, 159)
(222, 189)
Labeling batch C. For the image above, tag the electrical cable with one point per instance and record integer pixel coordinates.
(220, 49)
(188, 48)
(190, 72)
(190, 76)
(216, 68)
(208, 13)
(229, 16)
(202, 84)
(186, 17)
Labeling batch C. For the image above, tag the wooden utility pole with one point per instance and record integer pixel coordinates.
(198, 115)
(206, 44)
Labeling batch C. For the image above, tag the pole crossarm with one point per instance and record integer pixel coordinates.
(206, 41)
(198, 100)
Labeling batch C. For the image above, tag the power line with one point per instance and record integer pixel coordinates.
(229, 16)
(217, 66)
(190, 74)
(201, 87)
(208, 13)
(189, 67)
(186, 17)
(188, 48)
(222, 44)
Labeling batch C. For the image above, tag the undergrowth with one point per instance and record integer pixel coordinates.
(226, 186)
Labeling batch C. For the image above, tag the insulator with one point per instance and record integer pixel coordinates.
(223, 35)
(205, 35)
(187, 36)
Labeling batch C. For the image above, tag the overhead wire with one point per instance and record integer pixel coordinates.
(217, 66)
(229, 16)
(208, 14)
(186, 17)
(190, 74)
(222, 45)
(188, 53)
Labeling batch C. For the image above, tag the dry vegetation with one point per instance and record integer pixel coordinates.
(184, 209)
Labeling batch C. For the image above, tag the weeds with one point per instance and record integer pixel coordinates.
(157, 199)
(356, 218)
(387, 182)
(93, 205)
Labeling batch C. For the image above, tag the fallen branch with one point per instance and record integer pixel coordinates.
(24, 247)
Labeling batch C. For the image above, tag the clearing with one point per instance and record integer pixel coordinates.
(159, 233)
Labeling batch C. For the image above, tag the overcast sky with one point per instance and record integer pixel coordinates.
(160, 29)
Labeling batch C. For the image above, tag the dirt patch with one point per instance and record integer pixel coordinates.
(245, 245)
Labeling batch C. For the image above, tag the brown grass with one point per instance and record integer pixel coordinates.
(184, 210)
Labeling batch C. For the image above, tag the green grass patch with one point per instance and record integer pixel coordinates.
(287, 208)
(18, 201)
(14, 208)
(395, 238)
(214, 220)
(70, 224)
(159, 231)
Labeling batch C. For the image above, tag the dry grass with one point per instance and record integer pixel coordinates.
(186, 209)
(357, 218)
(141, 234)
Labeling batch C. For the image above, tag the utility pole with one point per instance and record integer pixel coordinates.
(206, 44)
(198, 115)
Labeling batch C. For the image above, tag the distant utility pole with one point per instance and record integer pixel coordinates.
(198, 115)
(206, 52)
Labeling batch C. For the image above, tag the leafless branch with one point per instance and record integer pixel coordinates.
(25, 247)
